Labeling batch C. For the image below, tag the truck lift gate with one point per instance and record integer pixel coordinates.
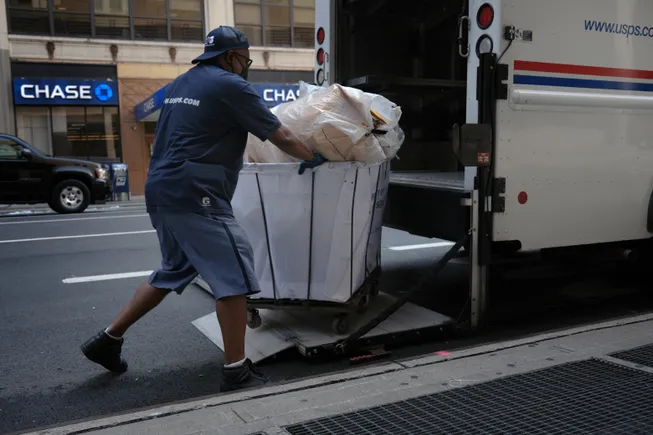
(387, 320)
(311, 332)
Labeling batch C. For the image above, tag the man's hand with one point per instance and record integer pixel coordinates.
(317, 160)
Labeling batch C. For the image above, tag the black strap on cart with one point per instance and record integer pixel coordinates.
(427, 278)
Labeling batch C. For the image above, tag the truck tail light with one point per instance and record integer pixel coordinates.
(485, 16)
(319, 77)
(320, 56)
(321, 35)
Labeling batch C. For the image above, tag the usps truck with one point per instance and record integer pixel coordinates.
(529, 127)
(529, 124)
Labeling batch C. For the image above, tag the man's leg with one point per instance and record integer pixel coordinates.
(145, 299)
(175, 274)
(232, 316)
(105, 347)
(219, 250)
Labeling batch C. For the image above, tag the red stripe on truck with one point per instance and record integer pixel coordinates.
(561, 68)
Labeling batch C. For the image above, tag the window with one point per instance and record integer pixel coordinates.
(112, 19)
(102, 133)
(91, 133)
(72, 17)
(10, 150)
(186, 20)
(153, 20)
(304, 24)
(69, 131)
(34, 126)
(279, 23)
(28, 16)
(150, 20)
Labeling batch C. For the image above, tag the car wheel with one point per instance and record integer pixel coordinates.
(70, 196)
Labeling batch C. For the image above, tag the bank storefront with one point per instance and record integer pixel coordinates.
(68, 110)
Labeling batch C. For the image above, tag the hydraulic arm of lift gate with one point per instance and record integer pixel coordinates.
(428, 277)
(486, 199)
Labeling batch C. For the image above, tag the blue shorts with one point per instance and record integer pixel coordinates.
(214, 246)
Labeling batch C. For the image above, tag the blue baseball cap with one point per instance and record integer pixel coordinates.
(221, 40)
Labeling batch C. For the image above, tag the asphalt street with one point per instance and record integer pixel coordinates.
(63, 278)
(54, 293)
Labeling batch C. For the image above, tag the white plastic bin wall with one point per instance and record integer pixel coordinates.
(316, 236)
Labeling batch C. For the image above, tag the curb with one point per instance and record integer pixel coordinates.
(325, 380)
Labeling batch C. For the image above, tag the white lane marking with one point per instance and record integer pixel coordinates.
(420, 246)
(107, 277)
(81, 236)
(34, 221)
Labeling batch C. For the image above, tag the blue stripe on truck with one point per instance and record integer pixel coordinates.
(566, 82)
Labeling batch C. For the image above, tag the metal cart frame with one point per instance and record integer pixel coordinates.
(357, 304)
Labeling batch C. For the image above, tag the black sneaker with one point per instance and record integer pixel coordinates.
(105, 350)
(244, 376)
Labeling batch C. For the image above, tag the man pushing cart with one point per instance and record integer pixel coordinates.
(198, 153)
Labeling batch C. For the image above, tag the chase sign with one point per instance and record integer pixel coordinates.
(274, 95)
(57, 92)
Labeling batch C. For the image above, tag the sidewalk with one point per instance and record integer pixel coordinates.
(41, 209)
(571, 381)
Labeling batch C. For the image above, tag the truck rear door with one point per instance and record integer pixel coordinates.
(574, 140)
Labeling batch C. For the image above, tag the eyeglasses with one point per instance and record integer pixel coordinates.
(248, 61)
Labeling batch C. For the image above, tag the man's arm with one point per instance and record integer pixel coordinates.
(251, 113)
(286, 141)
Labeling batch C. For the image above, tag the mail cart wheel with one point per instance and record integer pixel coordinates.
(253, 319)
(363, 303)
(340, 325)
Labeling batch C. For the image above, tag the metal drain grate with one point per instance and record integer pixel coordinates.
(640, 355)
(586, 397)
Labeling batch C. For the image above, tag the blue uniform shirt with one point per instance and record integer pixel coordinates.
(200, 140)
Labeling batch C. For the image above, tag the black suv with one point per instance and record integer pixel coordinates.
(28, 176)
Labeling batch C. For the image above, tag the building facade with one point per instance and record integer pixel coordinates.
(81, 78)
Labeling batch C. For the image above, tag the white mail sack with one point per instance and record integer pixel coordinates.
(341, 123)
(315, 236)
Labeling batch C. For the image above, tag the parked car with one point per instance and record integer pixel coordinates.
(28, 176)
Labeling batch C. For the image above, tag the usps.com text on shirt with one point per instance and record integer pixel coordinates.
(181, 100)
